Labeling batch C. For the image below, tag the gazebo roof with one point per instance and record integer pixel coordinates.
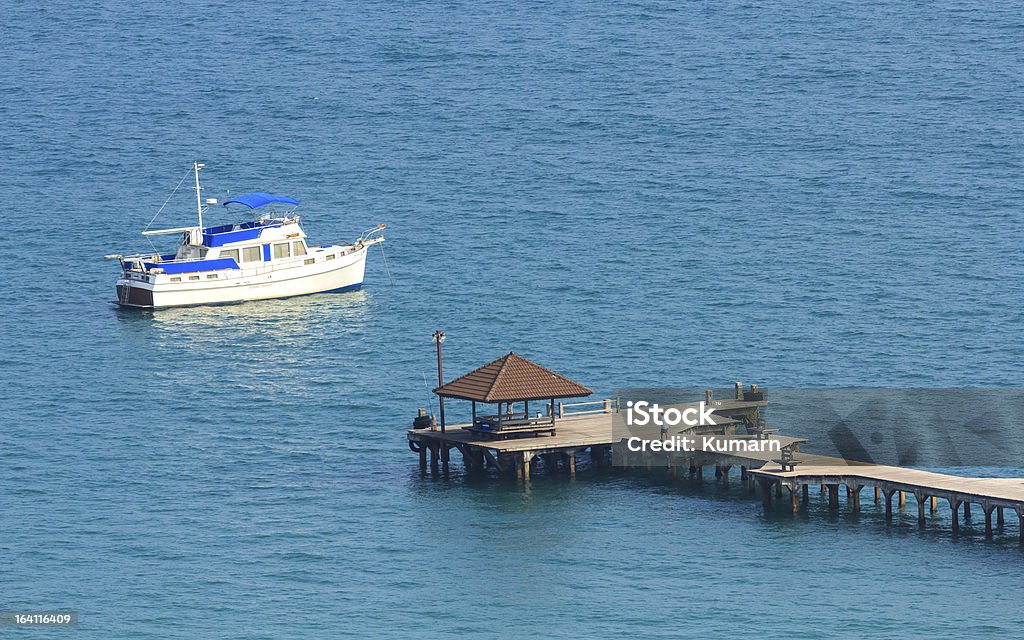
(511, 378)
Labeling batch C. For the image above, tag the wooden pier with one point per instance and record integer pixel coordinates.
(993, 495)
(511, 442)
(589, 430)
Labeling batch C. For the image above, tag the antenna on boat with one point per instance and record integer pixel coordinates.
(199, 199)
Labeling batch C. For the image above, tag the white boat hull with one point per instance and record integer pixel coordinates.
(342, 272)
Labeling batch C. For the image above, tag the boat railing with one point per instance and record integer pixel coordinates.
(372, 236)
(157, 258)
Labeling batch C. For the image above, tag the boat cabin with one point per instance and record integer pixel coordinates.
(231, 246)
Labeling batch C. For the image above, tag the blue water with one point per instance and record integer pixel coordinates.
(642, 194)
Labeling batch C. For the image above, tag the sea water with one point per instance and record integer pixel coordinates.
(637, 194)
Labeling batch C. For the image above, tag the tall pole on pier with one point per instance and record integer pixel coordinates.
(439, 340)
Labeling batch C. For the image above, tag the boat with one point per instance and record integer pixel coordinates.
(262, 258)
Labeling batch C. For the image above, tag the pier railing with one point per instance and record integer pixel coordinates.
(600, 406)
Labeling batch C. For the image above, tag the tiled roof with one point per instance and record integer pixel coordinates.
(511, 378)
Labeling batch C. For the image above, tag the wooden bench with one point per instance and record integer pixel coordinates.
(761, 430)
(513, 429)
(507, 434)
(787, 462)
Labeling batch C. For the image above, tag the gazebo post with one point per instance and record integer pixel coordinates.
(474, 412)
(526, 408)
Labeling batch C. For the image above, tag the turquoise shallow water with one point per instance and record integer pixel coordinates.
(647, 194)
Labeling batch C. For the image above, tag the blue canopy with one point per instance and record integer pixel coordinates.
(260, 198)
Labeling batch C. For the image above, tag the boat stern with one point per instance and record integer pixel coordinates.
(134, 293)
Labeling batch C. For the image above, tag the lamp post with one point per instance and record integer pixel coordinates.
(439, 340)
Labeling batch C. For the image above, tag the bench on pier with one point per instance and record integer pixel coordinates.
(505, 434)
(761, 430)
(493, 429)
(787, 462)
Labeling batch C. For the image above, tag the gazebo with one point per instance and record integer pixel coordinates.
(509, 380)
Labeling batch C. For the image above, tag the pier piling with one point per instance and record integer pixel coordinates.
(853, 492)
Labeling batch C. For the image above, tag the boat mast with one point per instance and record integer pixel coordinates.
(199, 199)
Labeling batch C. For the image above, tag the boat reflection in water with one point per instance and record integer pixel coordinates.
(287, 319)
(264, 347)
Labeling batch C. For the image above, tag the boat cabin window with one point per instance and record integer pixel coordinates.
(281, 251)
(193, 277)
(252, 254)
(176, 279)
(230, 253)
(190, 252)
(298, 248)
